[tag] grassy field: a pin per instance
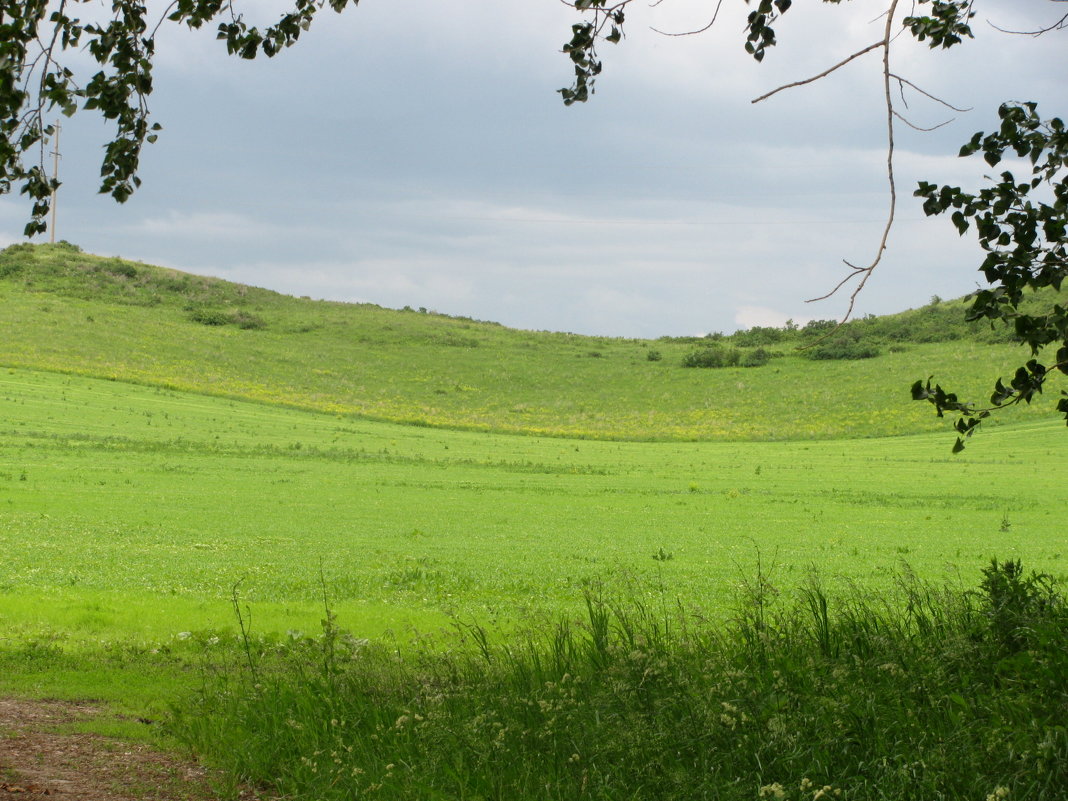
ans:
(763, 594)
(66, 311)
(132, 511)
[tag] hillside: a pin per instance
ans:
(67, 311)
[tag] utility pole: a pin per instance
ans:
(55, 178)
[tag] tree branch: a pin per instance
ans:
(905, 82)
(711, 22)
(864, 273)
(825, 73)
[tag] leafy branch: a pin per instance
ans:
(34, 82)
(1021, 225)
(582, 49)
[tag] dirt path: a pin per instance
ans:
(39, 759)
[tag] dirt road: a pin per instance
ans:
(41, 758)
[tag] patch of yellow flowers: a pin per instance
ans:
(807, 788)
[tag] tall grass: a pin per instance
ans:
(925, 692)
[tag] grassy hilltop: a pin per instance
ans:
(64, 310)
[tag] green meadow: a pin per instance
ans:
(134, 511)
(425, 545)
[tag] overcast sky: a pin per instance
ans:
(415, 152)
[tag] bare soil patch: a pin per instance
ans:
(38, 759)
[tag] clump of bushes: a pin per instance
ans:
(219, 317)
(248, 322)
(757, 357)
(712, 356)
(843, 348)
(119, 268)
(845, 342)
(763, 335)
(715, 356)
(211, 316)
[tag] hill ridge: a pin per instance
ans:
(69, 311)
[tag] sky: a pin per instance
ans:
(416, 153)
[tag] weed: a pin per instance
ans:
(1020, 609)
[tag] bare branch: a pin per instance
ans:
(825, 73)
(863, 274)
(919, 128)
(906, 82)
(1059, 25)
(711, 22)
(163, 18)
(840, 284)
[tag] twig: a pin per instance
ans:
(711, 22)
(920, 128)
(1060, 24)
(910, 84)
(825, 73)
(163, 18)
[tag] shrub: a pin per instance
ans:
(760, 335)
(211, 316)
(843, 348)
(177, 284)
(122, 268)
(712, 356)
(1019, 608)
(215, 316)
(653, 356)
(248, 322)
(756, 358)
(9, 267)
(817, 327)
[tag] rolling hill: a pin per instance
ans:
(67, 311)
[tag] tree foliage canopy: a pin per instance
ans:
(1020, 222)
